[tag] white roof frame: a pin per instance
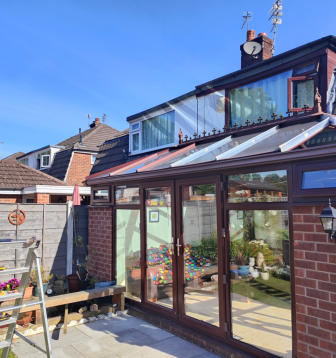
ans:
(201, 152)
(304, 136)
(249, 143)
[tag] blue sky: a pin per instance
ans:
(61, 60)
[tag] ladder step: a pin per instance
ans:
(11, 296)
(8, 321)
(14, 271)
(4, 344)
(11, 308)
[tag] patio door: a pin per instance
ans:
(198, 258)
(160, 267)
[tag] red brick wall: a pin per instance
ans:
(42, 198)
(80, 168)
(10, 199)
(100, 242)
(315, 285)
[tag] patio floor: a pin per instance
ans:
(122, 336)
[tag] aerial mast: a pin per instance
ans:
(246, 18)
(275, 18)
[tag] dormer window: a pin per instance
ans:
(45, 161)
(153, 133)
(300, 93)
(259, 99)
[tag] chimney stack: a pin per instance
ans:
(251, 52)
(95, 123)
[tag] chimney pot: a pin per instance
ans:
(262, 34)
(97, 120)
(250, 35)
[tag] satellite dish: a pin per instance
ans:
(252, 47)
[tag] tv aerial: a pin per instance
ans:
(104, 117)
(246, 18)
(275, 18)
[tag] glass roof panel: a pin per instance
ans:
(210, 151)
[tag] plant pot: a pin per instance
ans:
(37, 290)
(59, 287)
(264, 275)
(74, 283)
(25, 319)
(28, 292)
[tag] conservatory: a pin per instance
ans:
(220, 236)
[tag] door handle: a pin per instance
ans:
(178, 245)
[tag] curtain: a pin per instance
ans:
(261, 98)
(158, 131)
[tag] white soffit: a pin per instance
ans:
(249, 143)
(201, 152)
(304, 136)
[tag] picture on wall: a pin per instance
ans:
(154, 216)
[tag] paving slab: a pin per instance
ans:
(118, 337)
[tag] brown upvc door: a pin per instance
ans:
(199, 254)
(160, 274)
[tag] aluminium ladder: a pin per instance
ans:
(32, 256)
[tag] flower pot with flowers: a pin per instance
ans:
(5, 289)
(9, 286)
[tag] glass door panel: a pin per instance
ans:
(200, 258)
(260, 279)
(159, 246)
(128, 252)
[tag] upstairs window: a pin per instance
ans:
(300, 93)
(45, 161)
(153, 133)
(158, 131)
(259, 99)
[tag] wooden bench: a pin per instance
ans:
(117, 293)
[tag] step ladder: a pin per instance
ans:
(30, 246)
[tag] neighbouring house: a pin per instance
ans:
(22, 184)
(72, 159)
(214, 229)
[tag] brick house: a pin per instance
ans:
(216, 232)
(22, 184)
(72, 159)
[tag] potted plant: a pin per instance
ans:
(28, 291)
(264, 273)
(9, 286)
(46, 277)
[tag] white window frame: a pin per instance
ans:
(139, 130)
(41, 161)
(93, 158)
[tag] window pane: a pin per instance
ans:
(135, 126)
(128, 252)
(135, 142)
(45, 160)
(303, 93)
(127, 195)
(101, 194)
(258, 187)
(159, 246)
(260, 279)
(261, 98)
(200, 253)
(158, 131)
(319, 179)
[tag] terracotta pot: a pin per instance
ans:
(28, 292)
(73, 283)
(26, 319)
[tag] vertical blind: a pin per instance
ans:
(261, 98)
(158, 131)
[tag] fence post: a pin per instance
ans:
(69, 254)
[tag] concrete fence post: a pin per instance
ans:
(69, 254)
